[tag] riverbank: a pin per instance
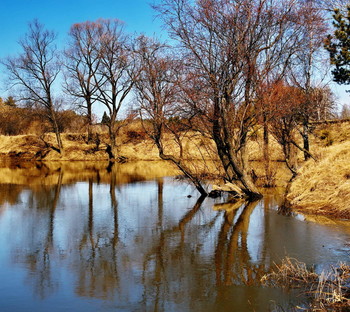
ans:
(321, 188)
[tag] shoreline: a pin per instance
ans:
(312, 193)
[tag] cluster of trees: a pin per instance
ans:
(234, 66)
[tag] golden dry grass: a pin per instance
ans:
(323, 187)
(75, 147)
(329, 134)
(133, 143)
(328, 291)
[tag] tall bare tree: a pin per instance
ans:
(225, 44)
(114, 77)
(35, 70)
(82, 63)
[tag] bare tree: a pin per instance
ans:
(35, 70)
(82, 63)
(324, 100)
(114, 77)
(225, 44)
(330, 5)
(157, 92)
(309, 67)
(345, 112)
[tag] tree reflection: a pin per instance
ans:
(98, 274)
(150, 254)
(9, 193)
(232, 259)
(167, 261)
(40, 244)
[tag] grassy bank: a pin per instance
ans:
(322, 187)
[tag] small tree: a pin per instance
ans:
(105, 119)
(283, 102)
(345, 112)
(35, 70)
(157, 91)
(10, 101)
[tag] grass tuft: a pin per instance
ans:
(328, 291)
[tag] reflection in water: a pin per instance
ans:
(232, 258)
(39, 247)
(97, 259)
(109, 242)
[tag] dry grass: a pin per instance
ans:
(329, 134)
(133, 144)
(323, 187)
(290, 273)
(328, 291)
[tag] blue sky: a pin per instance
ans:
(59, 15)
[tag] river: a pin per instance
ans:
(88, 237)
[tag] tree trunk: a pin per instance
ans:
(290, 157)
(56, 130)
(233, 169)
(59, 140)
(306, 140)
(111, 148)
(89, 125)
(269, 175)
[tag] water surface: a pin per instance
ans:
(128, 238)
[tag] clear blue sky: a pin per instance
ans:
(59, 15)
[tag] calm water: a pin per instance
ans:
(91, 238)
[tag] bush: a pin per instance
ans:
(135, 136)
(326, 137)
(14, 121)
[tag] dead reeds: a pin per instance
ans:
(328, 291)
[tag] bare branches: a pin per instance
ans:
(82, 62)
(34, 71)
(230, 48)
(114, 76)
(158, 94)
